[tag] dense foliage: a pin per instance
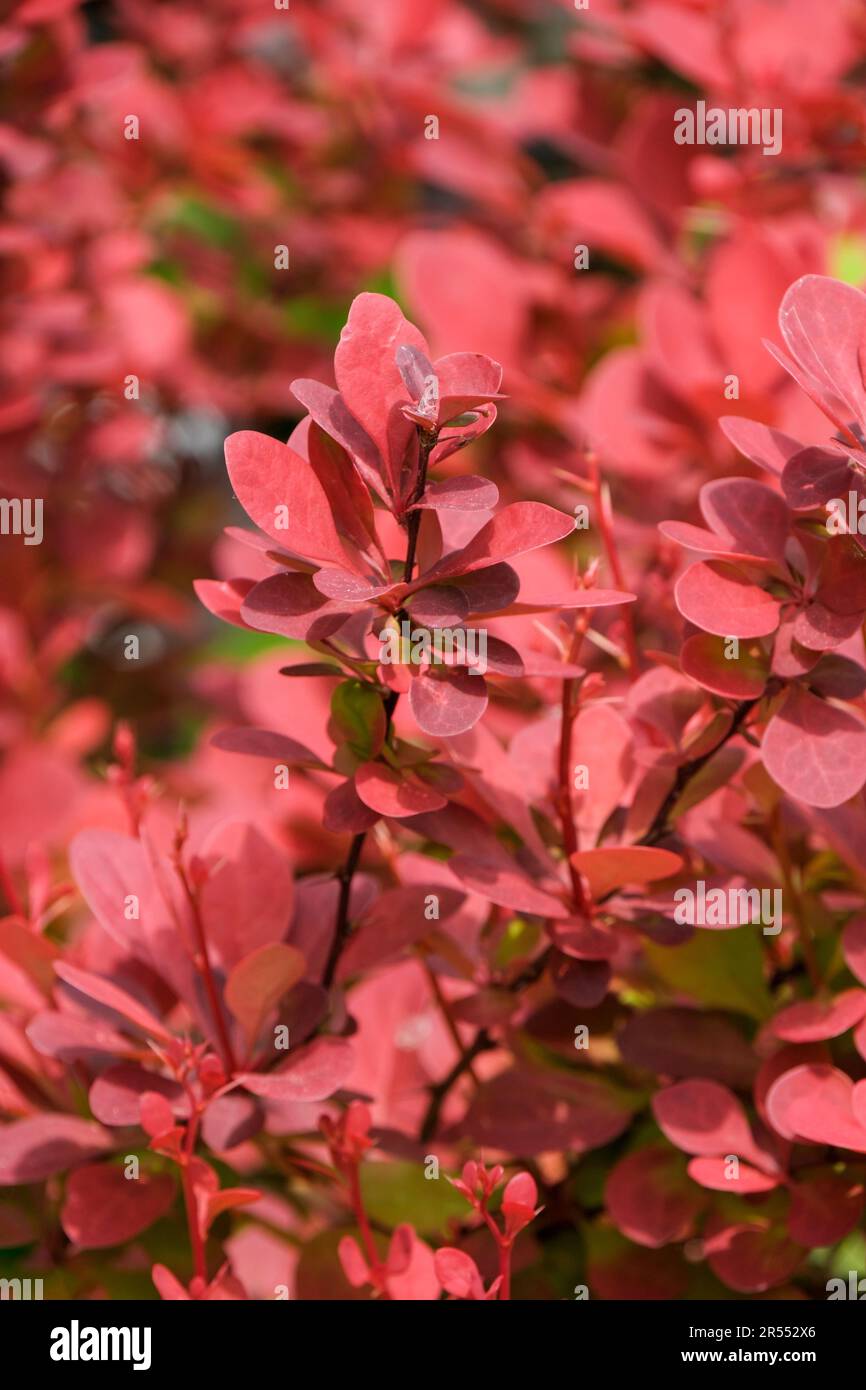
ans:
(431, 851)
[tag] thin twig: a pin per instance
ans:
(482, 1042)
(605, 524)
(342, 924)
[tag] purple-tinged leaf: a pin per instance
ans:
(264, 743)
(291, 606)
(115, 1096)
(466, 493)
(42, 1145)
(391, 793)
(718, 598)
(447, 705)
(316, 1071)
(767, 448)
(814, 751)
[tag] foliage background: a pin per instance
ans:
(305, 127)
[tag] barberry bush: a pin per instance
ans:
(432, 842)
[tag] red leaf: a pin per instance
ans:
(465, 493)
(823, 322)
(102, 1207)
(290, 605)
(686, 1043)
(742, 677)
(259, 981)
(330, 412)
(582, 983)
(115, 1096)
(650, 1198)
(224, 597)
(458, 1274)
(344, 811)
(766, 447)
(213, 1204)
(615, 865)
(417, 1282)
(748, 513)
(528, 1112)
(262, 743)
(314, 1073)
(824, 1209)
(447, 705)
(42, 1145)
(275, 485)
(112, 997)
(704, 1118)
(519, 527)
(355, 1267)
(715, 1173)
(391, 794)
(157, 1116)
(248, 894)
(231, 1119)
(814, 751)
(368, 378)
(814, 1102)
(751, 1259)
(503, 883)
(347, 588)
(813, 1020)
(396, 920)
(71, 1038)
(813, 476)
(716, 597)
(819, 628)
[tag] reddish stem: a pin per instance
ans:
(570, 707)
(503, 1245)
(10, 892)
(203, 965)
(378, 1273)
(195, 1236)
(608, 541)
(505, 1269)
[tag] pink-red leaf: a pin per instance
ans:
(42, 1145)
(103, 1207)
(815, 751)
(718, 598)
(259, 981)
(612, 866)
(314, 1073)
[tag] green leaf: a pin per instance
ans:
(358, 716)
(239, 645)
(722, 969)
(397, 1192)
(309, 317)
(849, 1254)
(518, 940)
(848, 259)
(203, 220)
